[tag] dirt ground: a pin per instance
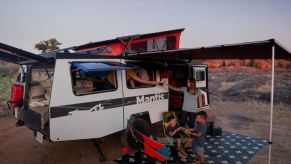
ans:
(18, 145)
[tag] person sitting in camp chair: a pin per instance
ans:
(174, 131)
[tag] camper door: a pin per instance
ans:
(139, 97)
(200, 73)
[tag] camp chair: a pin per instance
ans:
(166, 124)
(152, 148)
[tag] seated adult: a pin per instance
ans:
(173, 131)
(110, 80)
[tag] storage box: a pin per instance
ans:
(217, 131)
(210, 124)
(209, 130)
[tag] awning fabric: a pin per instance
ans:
(249, 50)
(101, 66)
(18, 56)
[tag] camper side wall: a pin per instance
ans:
(85, 105)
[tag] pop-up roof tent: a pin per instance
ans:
(164, 40)
(268, 49)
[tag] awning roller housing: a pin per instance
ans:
(101, 66)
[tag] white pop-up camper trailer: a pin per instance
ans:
(80, 102)
(87, 94)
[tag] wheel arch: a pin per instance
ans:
(143, 115)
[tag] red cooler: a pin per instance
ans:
(16, 95)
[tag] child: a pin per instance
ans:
(173, 131)
(199, 136)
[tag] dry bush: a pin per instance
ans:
(265, 88)
(226, 85)
(8, 68)
(5, 85)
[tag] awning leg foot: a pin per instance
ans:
(97, 142)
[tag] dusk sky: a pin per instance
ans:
(26, 22)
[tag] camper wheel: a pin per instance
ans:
(135, 142)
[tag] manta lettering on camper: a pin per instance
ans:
(151, 98)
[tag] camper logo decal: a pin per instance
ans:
(97, 107)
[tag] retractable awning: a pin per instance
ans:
(101, 66)
(248, 50)
(268, 49)
(18, 56)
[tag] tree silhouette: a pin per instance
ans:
(48, 45)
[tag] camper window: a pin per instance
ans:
(92, 82)
(139, 47)
(200, 75)
(142, 73)
(171, 43)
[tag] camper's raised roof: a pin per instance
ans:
(117, 40)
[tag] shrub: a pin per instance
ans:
(5, 86)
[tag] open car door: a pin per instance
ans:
(18, 56)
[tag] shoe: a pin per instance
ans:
(184, 152)
(181, 154)
(19, 123)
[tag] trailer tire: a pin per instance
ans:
(128, 140)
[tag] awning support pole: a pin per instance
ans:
(272, 104)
